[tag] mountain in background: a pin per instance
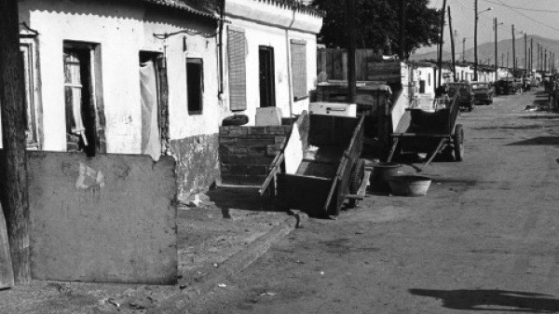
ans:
(486, 51)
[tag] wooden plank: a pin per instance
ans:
(360, 195)
(434, 153)
(14, 164)
(6, 271)
(429, 135)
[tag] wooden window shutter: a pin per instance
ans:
(236, 44)
(299, 68)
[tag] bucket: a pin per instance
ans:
(409, 185)
(382, 171)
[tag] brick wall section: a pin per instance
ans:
(245, 153)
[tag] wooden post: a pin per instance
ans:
(441, 40)
(475, 40)
(351, 75)
(495, 26)
(402, 50)
(451, 45)
(13, 190)
(513, 53)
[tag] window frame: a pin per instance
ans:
(29, 53)
(200, 107)
(95, 90)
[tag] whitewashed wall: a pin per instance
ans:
(274, 25)
(122, 29)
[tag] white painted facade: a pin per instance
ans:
(464, 73)
(273, 24)
(425, 75)
(121, 30)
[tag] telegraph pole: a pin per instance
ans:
(15, 200)
(351, 75)
(513, 52)
(440, 63)
(452, 45)
(545, 60)
(495, 26)
(475, 42)
(525, 52)
(464, 50)
(531, 55)
(402, 29)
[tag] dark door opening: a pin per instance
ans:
(267, 83)
(81, 135)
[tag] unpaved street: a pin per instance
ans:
(485, 239)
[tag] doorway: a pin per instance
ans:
(153, 93)
(267, 82)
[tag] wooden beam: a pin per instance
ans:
(13, 190)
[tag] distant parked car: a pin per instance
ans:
(507, 87)
(465, 94)
(483, 93)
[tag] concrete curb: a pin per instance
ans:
(232, 266)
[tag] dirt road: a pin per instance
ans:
(485, 239)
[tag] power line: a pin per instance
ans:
(526, 16)
(524, 9)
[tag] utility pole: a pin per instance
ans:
(531, 55)
(351, 75)
(538, 63)
(441, 39)
(452, 45)
(14, 188)
(475, 41)
(507, 59)
(513, 52)
(495, 26)
(545, 60)
(402, 44)
(464, 50)
(525, 52)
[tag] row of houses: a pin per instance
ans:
(425, 75)
(158, 77)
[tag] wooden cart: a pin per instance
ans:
(319, 167)
(430, 132)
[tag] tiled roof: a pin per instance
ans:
(210, 8)
(207, 8)
(300, 5)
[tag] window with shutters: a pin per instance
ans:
(195, 84)
(236, 44)
(299, 68)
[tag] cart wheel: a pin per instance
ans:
(355, 180)
(458, 139)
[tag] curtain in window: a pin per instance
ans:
(151, 139)
(73, 86)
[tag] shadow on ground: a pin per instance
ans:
(492, 300)
(538, 141)
(249, 199)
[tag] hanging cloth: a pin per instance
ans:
(151, 138)
(73, 85)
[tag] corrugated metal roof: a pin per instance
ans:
(207, 8)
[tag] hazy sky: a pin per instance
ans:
(535, 17)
